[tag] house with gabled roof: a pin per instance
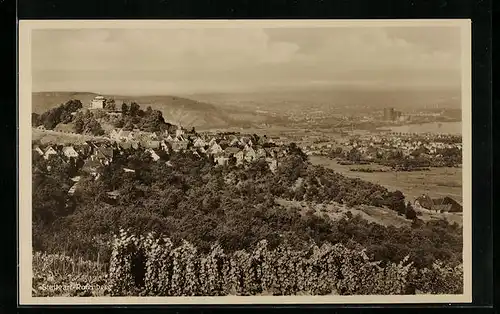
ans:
(446, 204)
(250, 154)
(260, 153)
(272, 163)
(199, 142)
(244, 140)
(38, 150)
(179, 131)
(240, 157)
(150, 144)
(153, 154)
(212, 141)
(202, 150)
(179, 138)
(49, 151)
(179, 145)
(164, 145)
(215, 149)
(103, 154)
(69, 152)
(114, 135)
(234, 142)
(125, 145)
(221, 159)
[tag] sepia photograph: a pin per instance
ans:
(272, 161)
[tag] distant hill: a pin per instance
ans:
(176, 110)
(43, 101)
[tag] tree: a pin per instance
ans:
(66, 117)
(354, 155)
(128, 126)
(35, 119)
(410, 212)
(110, 105)
(87, 124)
(51, 118)
(153, 122)
(134, 109)
(79, 122)
(73, 105)
(48, 200)
(124, 109)
(93, 127)
(118, 123)
(293, 149)
(396, 201)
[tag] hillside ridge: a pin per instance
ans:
(176, 110)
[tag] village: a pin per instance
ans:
(236, 148)
(222, 148)
(376, 146)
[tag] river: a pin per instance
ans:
(433, 127)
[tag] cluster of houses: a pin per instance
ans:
(372, 147)
(222, 148)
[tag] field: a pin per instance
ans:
(437, 182)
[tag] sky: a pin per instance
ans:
(196, 60)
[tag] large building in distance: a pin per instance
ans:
(388, 114)
(392, 115)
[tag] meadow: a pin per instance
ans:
(436, 182)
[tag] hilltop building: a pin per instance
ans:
(97, 102)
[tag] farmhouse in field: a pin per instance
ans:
(444, 204)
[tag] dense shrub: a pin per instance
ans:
(328, 269)
(61, 114)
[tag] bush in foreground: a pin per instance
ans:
(153, 266)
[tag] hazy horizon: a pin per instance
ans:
(243, 60)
